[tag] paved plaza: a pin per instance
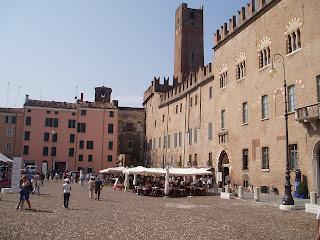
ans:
(125, 215)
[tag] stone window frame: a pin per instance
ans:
(264, 53)
(265, 156)
(223, 76)
(293, 36)
(245, 113)
(293, 166)
(241, 66)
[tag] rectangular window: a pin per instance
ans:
(109, 158)
(264, 107)
(175, 140)
(46, 137)
(293, 156)
(72, 138)
(83, 112)
(177, 108)
(10, 132)
(190, 160)
(45, 151)
(54, 137)
(81, 144)
(210, 92)
(28, 120)
(53, 151)
(56, 112)
(72, 123)
(110, 145)
(89, 144)
(180, 139)
(48, 112)
(27, 135)
(7, 119)
(169, 141)
(190, 136)
(154, 143)
(55, 122)
(48, 122)
(90, 158)
(291, 98)
(245, 113)
(180, 107)
(265, 158)
(71, 152)
(8, 146)
(195, 162)
(164, 141)
(209, 131)
(73, 114)
(190, 102)
(13, 119)
(80, 158)
(111, 114)
(196, 100)
(245, 160)
(195, 135)
(110, 128)
(159, 142)
(82, 127)
(223, 119)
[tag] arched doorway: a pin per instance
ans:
(223, 169)
(316, 167)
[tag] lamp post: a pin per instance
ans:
(287, 202)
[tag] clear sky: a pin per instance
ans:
(47, 48)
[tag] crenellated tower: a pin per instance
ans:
(188, 51)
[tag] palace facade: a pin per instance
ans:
(230, 114)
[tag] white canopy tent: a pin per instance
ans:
(189, 171)
(5, 159)
(113, 170)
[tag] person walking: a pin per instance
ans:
(98, 184)
(91, 186)
(66, 192)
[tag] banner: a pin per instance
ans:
(16, 174)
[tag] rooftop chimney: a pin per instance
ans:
(27, 98)
(81, 97)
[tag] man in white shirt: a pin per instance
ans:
(66, 193)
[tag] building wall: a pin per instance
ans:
(267, 26)
(96, 121)
(131, 130)
(11, 133)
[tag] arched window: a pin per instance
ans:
(264, 52)
(293, 34)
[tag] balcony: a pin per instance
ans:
(309, 116)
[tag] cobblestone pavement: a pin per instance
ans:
(124, 215)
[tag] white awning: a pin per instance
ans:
(189, 171)
(5, 159)
(113, 170)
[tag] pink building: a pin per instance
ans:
(71, 136)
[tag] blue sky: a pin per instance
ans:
(47, 48)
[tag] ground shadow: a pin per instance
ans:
(38, 210)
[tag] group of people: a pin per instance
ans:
(29, 184)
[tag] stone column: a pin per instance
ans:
(313, 198)
(256, 194)
(240, 192)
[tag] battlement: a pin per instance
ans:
(190, 81)
(253, 9)
(156, 86)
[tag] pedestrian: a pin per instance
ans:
(24, 192)
(66, 192)
(98, 185)
(36, 181)
(91, 186)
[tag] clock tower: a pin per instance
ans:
(188, 49)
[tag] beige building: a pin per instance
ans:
(229, 114)
(11, 131)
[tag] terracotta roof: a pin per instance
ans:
(11, 110)
(65, 105)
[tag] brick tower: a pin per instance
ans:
(102, 94)
(188, 51)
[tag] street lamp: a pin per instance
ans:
(287, 202)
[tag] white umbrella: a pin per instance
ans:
(189, 171)
(113, 170)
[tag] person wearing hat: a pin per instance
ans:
(66, 192)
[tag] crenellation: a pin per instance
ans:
(245, 13)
